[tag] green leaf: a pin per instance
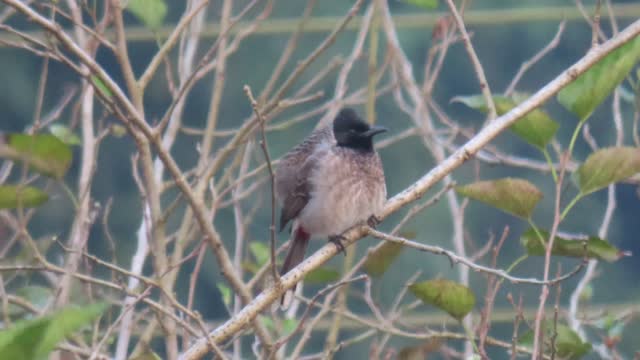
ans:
(267, 322)
(16, 196)
(44, 153)
(425, 4)
(322, 275)
(288, 326)
(456, 299)
(225, 291)
(260, 252)
(250, 267)
(513, 196)
(568, 344)
(590, 89)
(536, 128)
(97, 82)
(65, 134)
(587, 293)
(607, 166)
(592, 247)
(117, 130)
(36, 338)
(150, 12)
(381, 258)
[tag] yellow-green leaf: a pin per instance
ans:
(44, 153)
(568, 344)
(591, 247)
(456, 299)
(260, 252)
(425, 4)
(65, 134)
(117, 130)
(288, 326)
(514, 196)
(590, 89)
(607, 166)
(150, 12)
(97, 82)
(381, 258)
(250, 267)
(322, 275)
(536, 128)
(225, 291)
(16, 196)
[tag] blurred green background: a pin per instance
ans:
(502, 45)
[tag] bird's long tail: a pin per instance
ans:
(297, 249)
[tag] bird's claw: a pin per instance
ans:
(373, 221)
(337, 241)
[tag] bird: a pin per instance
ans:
(328, 183)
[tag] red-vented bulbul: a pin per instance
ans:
(330, 182)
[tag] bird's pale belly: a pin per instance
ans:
(351, 203)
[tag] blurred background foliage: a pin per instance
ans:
(502, 45)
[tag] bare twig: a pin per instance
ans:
(457, 259)
(535, 59)
(477, 67)
(267, 158)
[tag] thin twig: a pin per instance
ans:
(477, 67)
(267, 157)
(457, 259)
(535, 59)
(315, 298)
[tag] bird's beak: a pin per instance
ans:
(375, 130)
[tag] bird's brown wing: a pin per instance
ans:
(292, 185)
(299, 195)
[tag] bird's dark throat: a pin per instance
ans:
(362, 144)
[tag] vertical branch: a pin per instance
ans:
(240, 235)
(421, 117)
(82, 221)
(122, 54)
(153, 206)
(477, 66)
(267, 158)
(596, 24)
(218, 85)
(574, 300)
(544, 292)
(187, 50)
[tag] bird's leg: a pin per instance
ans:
(337, 241)
(373, 221)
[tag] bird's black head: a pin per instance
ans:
(350, 131)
